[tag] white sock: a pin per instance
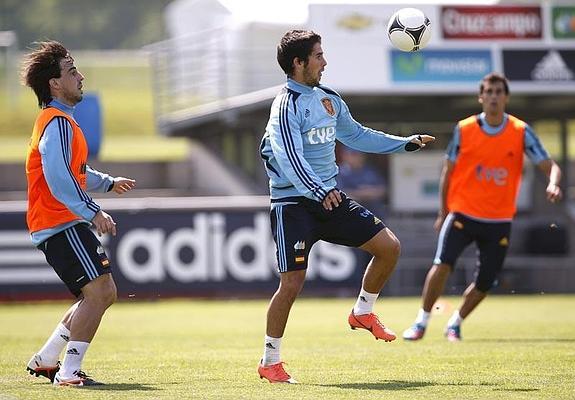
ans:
(455, 319)
(75, 352)
(271, 350)
(54, 345)
(365, 302)
(422, 317)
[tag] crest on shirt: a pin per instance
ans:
(328, 106)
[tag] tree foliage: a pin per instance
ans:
(86, 24)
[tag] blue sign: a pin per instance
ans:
(88, 114)
(441, 65)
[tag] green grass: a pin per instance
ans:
(515, 347)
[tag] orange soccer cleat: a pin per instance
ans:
(37, 367)
(372, 324)
(275, 373)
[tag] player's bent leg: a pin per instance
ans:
(385, 248)
(291, 284)
(98, 295)
(432, 289)
(271, 366)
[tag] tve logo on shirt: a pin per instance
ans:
(441, 65)
(321, 135)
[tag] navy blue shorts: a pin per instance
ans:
(77, 256)
(298, 222)
(491, 238)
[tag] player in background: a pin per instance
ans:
(298, 150)
(478, 188)
(60, 212)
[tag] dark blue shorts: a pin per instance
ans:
(492, 240)
(77, 256)
(298, 222)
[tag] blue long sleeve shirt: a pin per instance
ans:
(55, 152)
(298, 147)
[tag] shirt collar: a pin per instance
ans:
(498, 127)
(62, 107)
(298, 87)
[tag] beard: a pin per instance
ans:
(310, 79)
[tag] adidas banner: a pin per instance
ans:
(166, 253)
(545, 66)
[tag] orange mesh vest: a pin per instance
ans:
(44, 211)
(485, 180)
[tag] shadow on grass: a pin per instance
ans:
(120, 387)
(522, 340)
(411, 385)
(385, 385)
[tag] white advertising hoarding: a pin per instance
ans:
(415, 182)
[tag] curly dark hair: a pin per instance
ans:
(41, 65)
(295, 44)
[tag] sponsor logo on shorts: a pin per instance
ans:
(376, 220)
(504, 242)
(105, 262)
(458, 224)
(299, 259)
(100, 250)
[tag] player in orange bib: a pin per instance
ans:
(479, 185)
(60, 212)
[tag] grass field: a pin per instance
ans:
(515, 347)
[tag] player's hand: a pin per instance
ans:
(332, 199)
(104, 223)
(123, 185)
(422, 140)
(554, 193)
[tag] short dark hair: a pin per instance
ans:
(494, 77)
(295, 44)
(41, 65)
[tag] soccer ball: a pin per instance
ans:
(409, 29)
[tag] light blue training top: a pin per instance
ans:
(298, 147)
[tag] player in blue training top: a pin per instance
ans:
(298, 149)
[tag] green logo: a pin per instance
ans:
(563, 22)
(409, 64)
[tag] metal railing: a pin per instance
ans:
(209, 66)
